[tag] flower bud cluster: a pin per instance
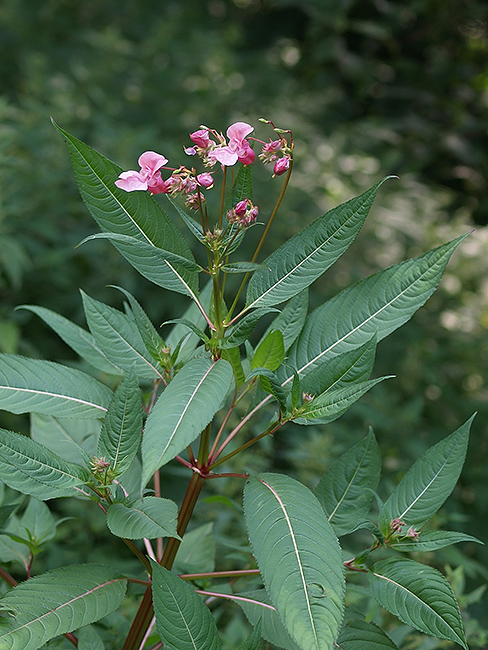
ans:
(243, 214)
(396, 529)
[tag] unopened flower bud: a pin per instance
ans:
(200, 138)
(281, 166)
(205, 180)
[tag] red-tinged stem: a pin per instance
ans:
(145, 613)
(221, 574)
(269, 431)
(10, 580)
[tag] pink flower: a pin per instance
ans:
(237, 149)
(147, 178)
(201, 138)
(244, 214)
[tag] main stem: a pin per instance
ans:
(145, 613)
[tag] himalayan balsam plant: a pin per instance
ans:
(197, 397)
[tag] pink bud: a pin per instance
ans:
(241, 208)
(205, 180)
(281, 166)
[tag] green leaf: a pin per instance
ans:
(183, 410)
(291, 319)
(196, 553)
(430, 480)
(345, 489)
(342, 370)
(81, 341)
(332, 404)
(233, 356)
(89, 639)
(241, 267)
(65, 436)
(360, 635)
(166, 269)
(299, 558)
(270, 352)
(193, 226)
(182, 619)
(253, 641)
(57, 602)
(10, 550)
(240, 332)
(148, 332)
(120, 436)
(431, 540)
(38, 522)
(179, 333)
(271, 385)
(135, 214)
(306, 256)
(118, 336)
(257, 607)
(376, 305)
(34, 385)
(32, 469)
(152, 517)
(419, 596)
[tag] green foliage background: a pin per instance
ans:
(369, 89)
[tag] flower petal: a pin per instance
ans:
(130, 181)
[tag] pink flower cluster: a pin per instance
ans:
(244, 214)
(212, 147)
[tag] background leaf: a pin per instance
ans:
(360, 635)
(63, 436)
(183, 621)
(430, 480)
(185, 407)
(35, 385)
(57, 602)
(345, 489)
(152, 517)
(196, 553)
(420, 596)
(298, 556)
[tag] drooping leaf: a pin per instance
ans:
(233, 356)
(35, 385)
(360, 635)
(271, 385)
(241, 267)
(81, 341)
(291, 319)
(345, 489)
(257, 607)
(120, 436)
(166, 269)
(118, 336)
(306, 256)
(57, 602)
(64, 436)
(376, 305)
(152, 517)
(182, 619)
(135, 214)
(430, 480)
(30, 468)
(183, 410)
(332, 404)
(196, 553)
(270, 352)
(419, 596)
(298, 556)
(432, 540)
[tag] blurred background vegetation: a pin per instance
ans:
(369, 89)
